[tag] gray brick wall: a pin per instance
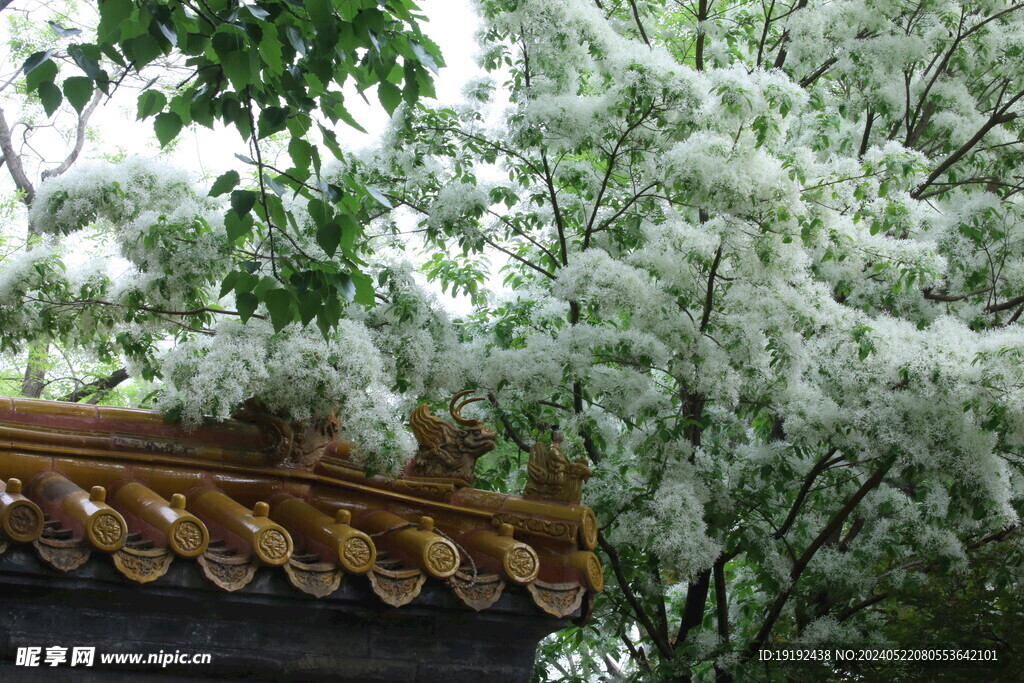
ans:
(266, 631)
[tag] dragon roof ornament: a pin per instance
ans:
(552, 476)
(446, 451)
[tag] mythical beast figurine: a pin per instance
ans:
(446, 451)
(552, 476)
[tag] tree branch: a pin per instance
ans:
(553, 195)
(509, 429)
(925, 568)
(709, 298)
(820, 466)
(809, 80)
(83, 120)
(702, 16)
(693, 609)
(97, 387)
(638, 609)
(780, 58)
(928, 294)
(14, 165)
(1006, 305)
(863, 604)
(721, 602)
(865, 139)
(639, 24)
(798, 567)
(998, 117)
(147, 309)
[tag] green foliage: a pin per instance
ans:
(265, 68)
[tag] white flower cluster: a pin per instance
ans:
(295, 373)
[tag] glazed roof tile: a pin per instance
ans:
(80, 481)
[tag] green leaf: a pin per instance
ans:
(315, 154)
(113, 55)
(296, 39)
(331, 140)
(276, 208)
(272, 119)
(310, 303)
(389, 95)
(50, 96)
(342, 113)
(320, 11)
(168, 32)
(167, 126)
(181, 104)
(270, 49)
(86, 59)
(325, 38)
(246, 304)
(247, 281)
(276, 185)
(349, 229)
(113, 14)
(329, 190)
(195, 44)
(379, 196)
(78, 90)
(141, 50)
(257, 12)
(224, 183)
(345, 286)
(329, 315)
(236, 225)
(61, 31)
(411, 91)
(242, 201)
(425, 58)
(328, 236)
(230, 45)
(39, 70)
(364, 289)
(236, 67)
(202, 111)
(150, 102)
(279, 303)
(320, 212)
(227, 39)
(299, 151)
(266, 284)
(313, 84)
(228, 284)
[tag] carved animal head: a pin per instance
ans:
(476, 437)
(579, 469)
(473, 439)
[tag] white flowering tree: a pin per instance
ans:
(763, 264)
(42, 137)
(764, 267)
